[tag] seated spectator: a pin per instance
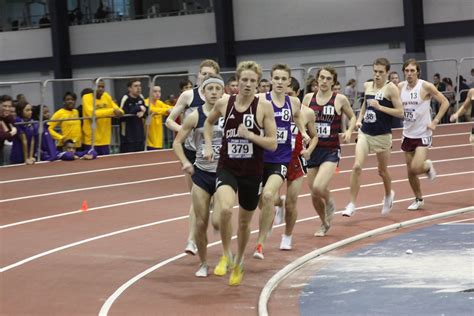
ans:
(7, 129)
(105, 109)
(24, 141)
(158, 109)
(132, 131)
(232, 86)
(67, 129)
(48, 146)
(171, 101)
(69, 152)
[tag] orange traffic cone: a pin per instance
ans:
(84, 206)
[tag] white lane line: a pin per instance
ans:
(171, 196)
(94, 209)
(459, 221)
(89, 171)
(111, 299)
(91, 188)
(152, 164)
(43, 254)
(178, 176)
(166, 221)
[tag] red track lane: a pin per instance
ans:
(78, 280)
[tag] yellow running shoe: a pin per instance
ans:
(236, 275)
(222, 266)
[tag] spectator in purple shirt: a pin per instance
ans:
(24, 141)
(48, 145)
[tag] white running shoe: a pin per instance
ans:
(280, 212)
(323, 229)
(202, 272)
(416, 205)
(388, 203)
(431, 173)
(349, 210)
(191, 248)
(285, 242)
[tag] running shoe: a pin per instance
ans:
(431, 173)
(418, 203)
(202, 272)
(191, 248)
(349, 210)
(323, 229)
(388, 203)
(258, 254)
(236, 275)
(223, 265)
(280, 211)
(285, 243)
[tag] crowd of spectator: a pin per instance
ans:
(68, 133)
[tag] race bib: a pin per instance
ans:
(379, 96)
(294, 133)
(410, 115)
(216, 148)
(370, 116)
(220, 123)
(324, 130)
(328, 110)
(239, 149)
(426, 141)
(248, 121)
(285, 115)
(282, 135)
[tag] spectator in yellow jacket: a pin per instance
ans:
(105, 109)
(67, 129)
(157, 109)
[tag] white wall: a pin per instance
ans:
(143, 34)
(450, 48)
(116, 36)
(280, 18)
(25, 44)
(436, 11)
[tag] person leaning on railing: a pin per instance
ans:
(70, 129)
(157, 109)
(105, 109)
(48, 151)
(24, 141)
(7, 129)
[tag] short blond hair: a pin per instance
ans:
(210, 63)
(249, 65)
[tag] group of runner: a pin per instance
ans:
(247, 145)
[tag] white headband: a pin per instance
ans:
(212, 80)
